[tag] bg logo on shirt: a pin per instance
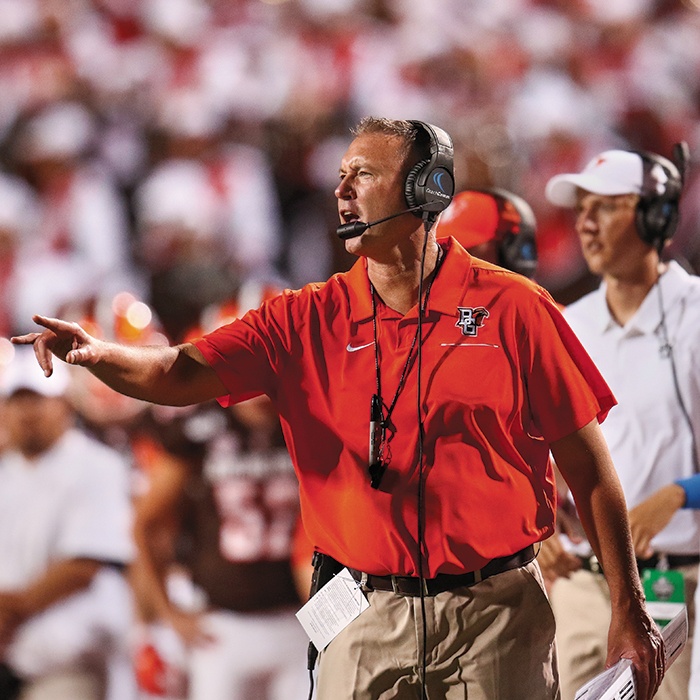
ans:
(471, 319)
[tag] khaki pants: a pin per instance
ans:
(581, 607)
(491, 641)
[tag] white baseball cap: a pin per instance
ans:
(23, 372)
(609, 173)
(60, 130)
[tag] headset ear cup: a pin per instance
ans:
(657, 212)
(516, 232)
(518, 252)
(506, 253)
(410, 193)
(656, 220)
(647, 225)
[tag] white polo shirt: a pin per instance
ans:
(647, 433)
(73, 501)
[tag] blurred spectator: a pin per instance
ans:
(207, 216)
(222, 486)
(18, 217)
(215, 528)
(80, 241)
(65, 607)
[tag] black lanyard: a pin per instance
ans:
(379, 419)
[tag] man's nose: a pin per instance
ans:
(344, 189)
(586, 221)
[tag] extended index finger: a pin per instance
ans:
(56, 325)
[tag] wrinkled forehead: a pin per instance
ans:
(379, 150)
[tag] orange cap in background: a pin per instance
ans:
(472, 218)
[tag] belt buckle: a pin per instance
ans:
(397, 591)
(395, 586)
(594, 564)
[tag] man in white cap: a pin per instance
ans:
(642, 329)
(65, 608)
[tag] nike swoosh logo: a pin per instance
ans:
(355, 348)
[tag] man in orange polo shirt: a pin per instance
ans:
(461, 377)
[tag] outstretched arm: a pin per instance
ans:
(175, 376)
(585, 463)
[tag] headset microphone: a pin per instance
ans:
(357, 228)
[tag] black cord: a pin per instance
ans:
(422, 547)
(311, 683)
(417, 341)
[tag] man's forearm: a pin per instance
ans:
(140, 372)
(604, 518)
(584, 461)
(173, 376)
(61, 579)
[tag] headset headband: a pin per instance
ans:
(430, 183)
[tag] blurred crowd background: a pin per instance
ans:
(160, 158)
(177, 148)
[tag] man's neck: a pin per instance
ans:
(397, 282)
(624, 295)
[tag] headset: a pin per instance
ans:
(662, 183)
(515, 235)
(430, 184)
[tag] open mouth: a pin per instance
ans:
(592, 248)
(348, 216)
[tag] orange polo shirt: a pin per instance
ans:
(502, 376)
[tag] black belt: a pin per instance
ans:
(411, 586)
(675, 561)
(591, 564)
